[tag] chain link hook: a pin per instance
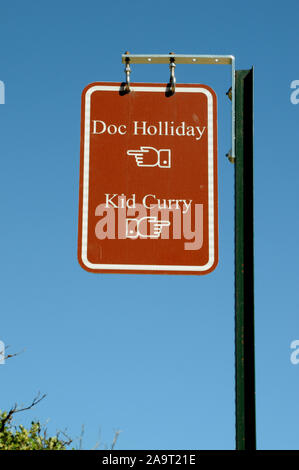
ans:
(127, 86)
(172, 80)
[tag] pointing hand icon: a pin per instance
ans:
(149, 156)
(140, 227)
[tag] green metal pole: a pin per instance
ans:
(244, 273)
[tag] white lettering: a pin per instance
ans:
(161, 127)
(99, 127)
(180, 128)
(124, 131)
(136, 128)
(112, 129)
(144, 200)
(95, 131)
(153, 131)
(190, 131)
(109, 200)
(186, 205)
(199, 132)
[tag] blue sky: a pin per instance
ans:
(162, 371)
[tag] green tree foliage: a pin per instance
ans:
(14, 437)
(34, 438)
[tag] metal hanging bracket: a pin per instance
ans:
(127, 71)
(175, 59)
(172, 80)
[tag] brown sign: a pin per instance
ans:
(148, 180)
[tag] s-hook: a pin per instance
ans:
(172, 80)
(127, 71)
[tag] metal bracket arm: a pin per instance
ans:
(191, 59)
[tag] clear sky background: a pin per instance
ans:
(152, 356)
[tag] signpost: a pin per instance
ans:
(244, 272)
(148, 192)
(148, 182)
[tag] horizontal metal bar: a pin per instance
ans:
(190, 59)
(179, 59)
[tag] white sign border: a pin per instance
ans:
(210, 130)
